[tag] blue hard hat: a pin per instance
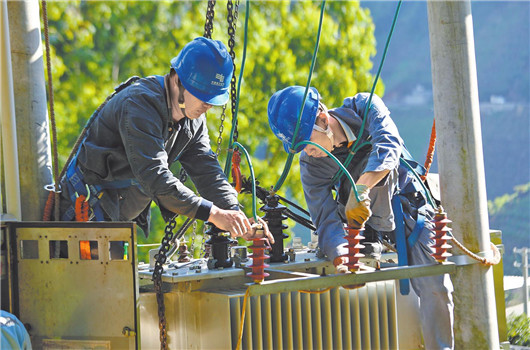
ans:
(284, 107)
(205, 69)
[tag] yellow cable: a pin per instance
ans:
(315, 291)
(242, 323)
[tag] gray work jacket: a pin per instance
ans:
(134, 137)
(381, 152)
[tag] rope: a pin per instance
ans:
(430, 152)
(242, 321)
(483, 260)
(57, 196)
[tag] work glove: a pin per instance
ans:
(358, 212)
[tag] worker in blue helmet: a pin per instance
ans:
(146, 125)
(381, 181)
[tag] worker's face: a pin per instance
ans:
(319, 138)
(194, 107)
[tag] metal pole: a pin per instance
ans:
(461, 165)
(30, 106)
(525, 280)
(524, 266)
(8, 124)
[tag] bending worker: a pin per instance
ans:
(141, 130)
(379, 178)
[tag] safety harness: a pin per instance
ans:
(77, 187)
(402, 242)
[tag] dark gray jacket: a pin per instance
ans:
(134, 137)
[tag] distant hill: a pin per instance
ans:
(502, 47)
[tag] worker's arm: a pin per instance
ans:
(383, 134)
(384, 156)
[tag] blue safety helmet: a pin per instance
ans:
(205, 69)
(284, 107)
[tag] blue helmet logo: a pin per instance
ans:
(283, 109)
(205, 69)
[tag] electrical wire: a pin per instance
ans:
(252, 178)
(313, 60)
(368, 105)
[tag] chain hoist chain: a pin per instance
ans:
(210, 14)
(221, 128)
(233, 12)
(161, 257)
(193, 236)
(183, 176)
(203, 243)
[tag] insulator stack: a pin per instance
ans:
(220, 249)
(184, 254)
(258, 256)
(441, 238)
(354, 238)
(274, 217)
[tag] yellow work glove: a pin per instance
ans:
(357, 213)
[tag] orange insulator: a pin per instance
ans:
(354, 238)
(441, 238)
(258, 256)
(236, 170)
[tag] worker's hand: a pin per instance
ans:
(357, 213)
(233, 221)
(259, 230)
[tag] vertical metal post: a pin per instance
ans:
(461, 165)
(524, 265)
(30, 106)
(8, 123)
(525, 280)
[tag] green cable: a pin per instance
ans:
(234, 119)
(342, 167)
(289, 160)
(429, 197)
(253, 179)
(368, 105)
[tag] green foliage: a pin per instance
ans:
(510, 214)
(519, 330)
(96, 45)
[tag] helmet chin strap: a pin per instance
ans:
(326, 131)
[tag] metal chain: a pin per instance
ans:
(233, 12)
(203, 242)
(183, 175)
(221, 128)
(210, 14)
(161, 258)
(193, 236)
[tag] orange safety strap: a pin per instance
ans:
(430, 151)
(81, 208)
(236, 170)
